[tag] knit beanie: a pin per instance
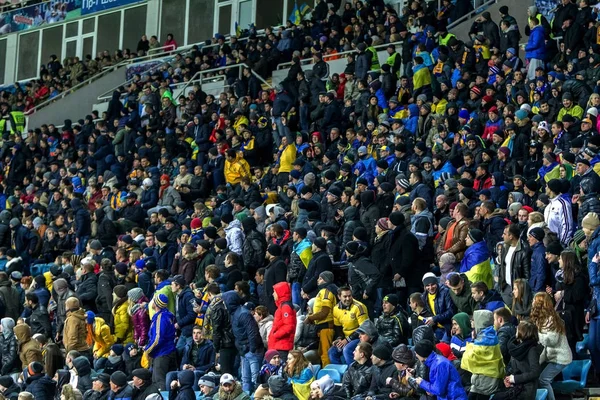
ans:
(135, 294)
(590, 221)
(382, 223)
(161, 300)
(424, 348)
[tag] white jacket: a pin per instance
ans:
(559, 217)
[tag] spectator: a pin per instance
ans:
(514, 262)
(438, 302)
(524, 368)
(161, 341)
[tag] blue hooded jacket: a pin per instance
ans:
(536, 45)
(411, 123)
(444, 380)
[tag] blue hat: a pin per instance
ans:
(140, 264)
(464, 114)
(511, 50)
(118, 349)
(90, 317)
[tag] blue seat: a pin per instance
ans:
(316, 369)
(341, 368)
(541, 394)
(39, 269)
(333, 374)
(574, 377)
(581, 347)
(165, 395)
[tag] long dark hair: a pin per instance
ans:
(570, 266)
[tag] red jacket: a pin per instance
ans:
(284, 323)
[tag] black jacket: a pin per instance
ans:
(253, 250)
(106, 232)
(357, 379)
(146, 390)
(9, 348)
(320, 262)
(12, 303)
(391, 328)
(87, 291)
(525, 366)
(106, 283)
(380, 375)
(520, 264)
(220, 324)
(379, 257)
(363, 276)
(39, 321)
(275, 272)
(403, 253)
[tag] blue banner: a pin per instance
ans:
(39, 15)
(93, 6)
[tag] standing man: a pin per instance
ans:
(83, 225)
(275, 272)
(514, 262)
(185, 315)
(558, 214)
(539, 264)
(322, 315)
(161, 341)
(535, 49)
(403, 254)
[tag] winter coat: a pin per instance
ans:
(444, 307)
(185, 311)
(122, 323)
(75, 331)
(536, 45)
(275, 272)
(217, 323)
(444, 379)
(357, 379)
(459, 245)
(84, 370)
(379, 378)
(29, 349)
(519, 264)
(369, 214)
(161, 339)
(493, 228)
(391, 329)
(41, 386)
(525, 366)
(363, 276)
(254, 250)
(106, 283)
(166, 255)
(11, 298)
(140, 322)
(284, 320)
(539, 266)
(170, 197)
(320, 262)
(87, 291)
(403, 254)
(235, 237)
(205, 356)
(244, 327)
(589, 203)
(185, 265)
(9, 349)
(123, 394)
(103, 338)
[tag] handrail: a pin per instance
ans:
(476, 10)
(309, 60)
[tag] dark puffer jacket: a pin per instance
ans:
(391, 328)
(255, 246)
(244, 327)
(589, 203)
(357, 379)
(9, 348)
(41, 387)
(217, 322)
(369, 213)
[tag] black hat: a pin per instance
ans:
(402, 354)
(314, 216)
(321, 243)
(335, 191)
(584, 161)
(227, 218)
(392, 299)
(143, 374)
(476, 235)
(532, 185)
(465, 182)
(162, 236)
(221, 243)
(555, 186)
(397, 218)
(554, 248)
(301, 232)
(6, 381)
(179, 280)
(104, 378)
(274, 250)
(211, 232)
(383, 351)
(330, 174)
(537, 233)
(352, 247)
(119, 378)
(468, 192)
(424, 348)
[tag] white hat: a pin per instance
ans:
(429, 278)
(227, 378)
(593, 111)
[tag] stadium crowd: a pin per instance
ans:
(424, 227)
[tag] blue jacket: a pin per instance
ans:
(412, 122)
(539, 265)
(125, 394)
(491, 302)
(166, 256)
(444, 380)
(447, 167)
(205, 356)
(536, 45)
(423, 191)
(444, 307)
(185, 311)
(593, 249)
(149, 198)
(161, 338)
(243, 324)
(83, 223)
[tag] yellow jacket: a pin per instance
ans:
(241, 120)
(350, 318)
(325, 298)
(48, 275)
(287, 157)
(123, 325)
(237, 169)
(103, 339)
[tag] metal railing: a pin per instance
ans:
(306, 61)
(166, 59)
(476, 10)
